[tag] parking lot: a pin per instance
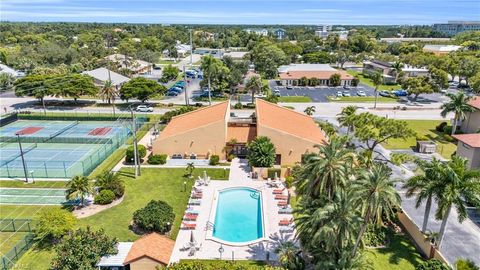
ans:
(320, 94)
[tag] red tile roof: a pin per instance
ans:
(322, 75)
(471, 139)
(154, 246)
(475, 102)
(241, 134)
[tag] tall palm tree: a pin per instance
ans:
(210, 67)
(397, 66)
(78, 186)
(376, 194)
(254, 85)
(377, 80)
(326, 171)
(459, 183)
(425, 187)
(458, 104)
(347, 118)
(309, 110)
(109, 92)
(289, 256)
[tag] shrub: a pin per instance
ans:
(214, 160)
(464, 264)
(230, 157)
(447, 130)
(111, 181)
(168, 115)
(432, 264)
(156, 216)
(422, 137)
(157, 159)
(375, 236)
(289, 181)
(238, 106)
(441, 126)
(129, 157)
(448, 138)
(53, 223)
(104, 197)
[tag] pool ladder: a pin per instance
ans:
(210, 226)
(255, 195)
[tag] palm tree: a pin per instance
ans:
(289, 256)
(109, 92)
(347, 118)
(326, 171)
(309, 110)
(111, 181)
(254, 85)
(190, 168)
(458, 104)
(425, 186)
(377, 80)
(377, 195)
(210, 67)
(78, 186)
(397, 66)
(458, 183)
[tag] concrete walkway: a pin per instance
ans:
(239, 171)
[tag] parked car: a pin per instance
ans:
(276, 92)
(289, 87)
(176, 89)
(400, 93)
(339, 94)
(361, 93)
(384, 93)
(172, 93)
(205, 94)
(144, 108)
(346, 94)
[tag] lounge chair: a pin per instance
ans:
(188, 226)
(281, 197)
(285, 222)
(278, 191)
(194, 202)
(282, 203)
(190, 211)
(196, 195)
(287, 229)
(197, 190)
(191, 217)
(286, 210)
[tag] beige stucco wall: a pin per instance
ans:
(472, 122)
(470, 153)
(144, 263)
(290, 147)
(202, 140)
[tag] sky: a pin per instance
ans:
(338, 12)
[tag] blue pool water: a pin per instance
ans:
(238, 217)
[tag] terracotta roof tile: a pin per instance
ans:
(288, 121)
(322, 75)
(154, 246)
(471, 139)
(241, 134)
(475, 102)
(192, 120)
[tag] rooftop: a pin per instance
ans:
(305, 67)
(475, 102)
(242, 134)
(101, 74)
(116, 259)
(441, 48)
(154, 246)
(295, 75)
(471, 139)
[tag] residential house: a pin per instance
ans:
(214, 130)
(471, 124)
(260, 32)
(235, 55)
(291, 74)
(135, 66)
(150, 252)
(441, 49)
(468, 146)
(12, 72)
(101, 75)
(280, 33)
(388, 72)
(183, 49)
(454, 27)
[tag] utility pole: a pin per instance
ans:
(191, 48)
(135, 146)
(186, 85)
(23, 159)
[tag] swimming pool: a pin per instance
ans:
(238, 215)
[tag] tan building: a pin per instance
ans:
(215, 131)
(471, 124)
(468, 147)
(293, 73)
(388, 72)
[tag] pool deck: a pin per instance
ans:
(209, 249)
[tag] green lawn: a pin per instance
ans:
(21, 211)
(400, 254)
(362, 99)
(154, 184)
(37, 184)
(369, 82)
(36, 258)
(425, 128)
(9, 239)
(294, 99)
(222, 264)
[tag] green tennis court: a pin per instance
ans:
(34, 196)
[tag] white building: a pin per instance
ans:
(454, 27)
(260, 32)
(101, 75)
(441, 49)
(325, 30)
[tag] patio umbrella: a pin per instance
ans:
(204, 175)
(192, 239)
(288, 197)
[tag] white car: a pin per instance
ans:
(346, 93)
(339, 94)
(361, 93)
(144, 108)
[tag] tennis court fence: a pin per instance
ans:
(10, 257)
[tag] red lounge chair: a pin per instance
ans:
(188, 226)
(278, 191)
(197, 195)
(190, 217)
(282, 203)
(285, 222)
(281, 197)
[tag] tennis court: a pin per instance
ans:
(34, 196)
(57, 149)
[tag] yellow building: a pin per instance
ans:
(215, 130)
